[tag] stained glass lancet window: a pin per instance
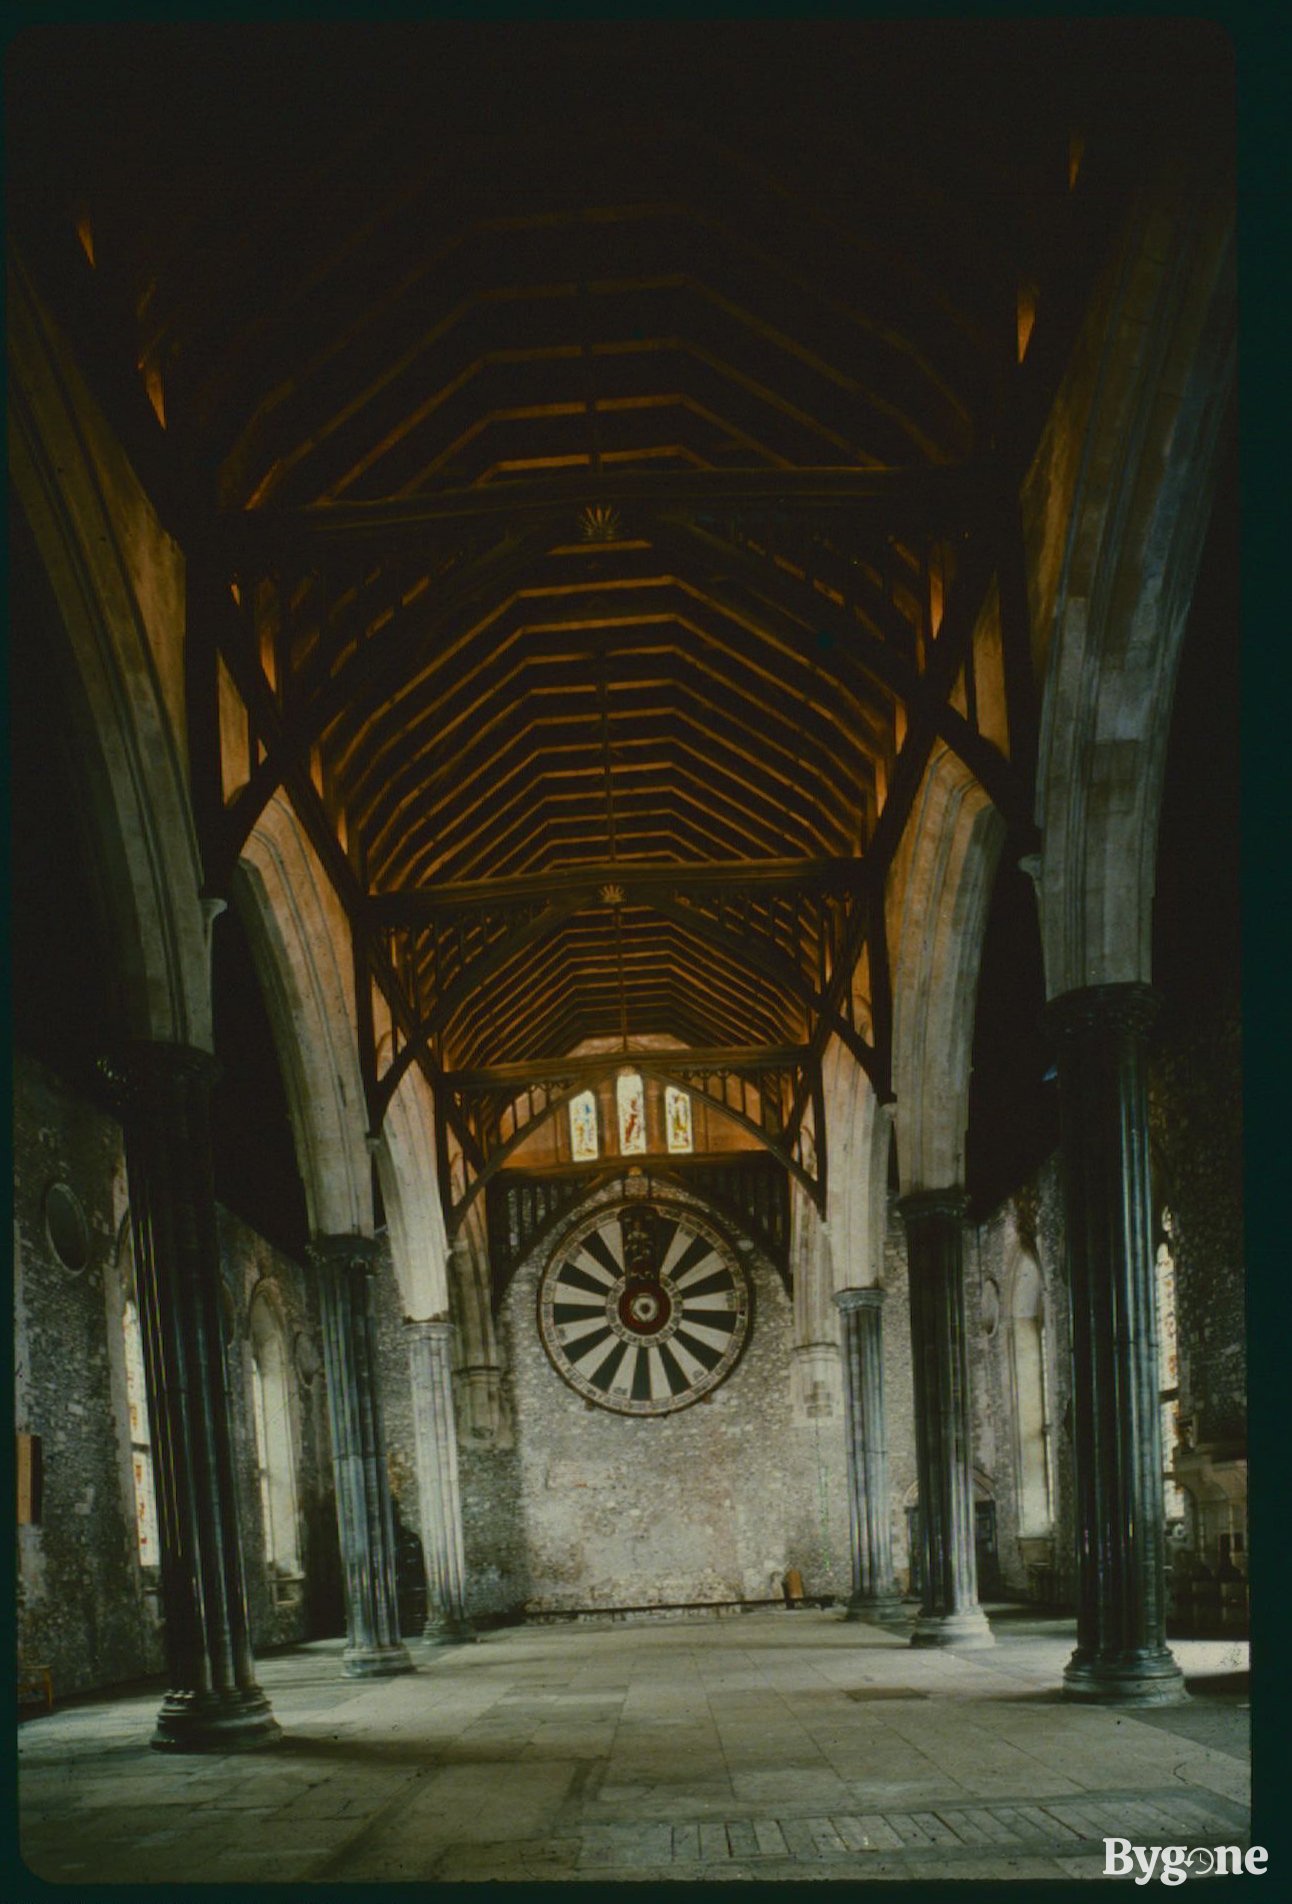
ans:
(1168, 1380)
(632, 1113)
(141, 1453)
(677, 1118)
(583, 1128)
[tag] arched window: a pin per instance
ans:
(141, 1452)
(275, 1466)
(583, 1128)
(1031, 1401)
(677, 1118)
(1168, 1379)
(632, 1113)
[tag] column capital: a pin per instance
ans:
(139, 1069)
(431, 1328)
(869, 1297)
(1129, 1007)
(1033, 865)
(918, 1204)
(326, 1252)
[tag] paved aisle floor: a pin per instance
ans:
(769, 1745)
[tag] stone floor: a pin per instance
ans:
(774, 1745)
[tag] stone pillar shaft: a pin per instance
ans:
(214, 1703)
(950, 1614)
(1101, 1034)
(365, 1520)
(874, 1595)
(431, 1368)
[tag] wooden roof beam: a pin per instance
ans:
(509, 1079)
(586, 882)
(927, 497)
(535, 743)
(753, 819)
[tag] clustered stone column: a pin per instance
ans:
(214, 1703)
(365, 1520)
(1101, 1034)
(874, 1594)
(431, 1369)
(949, 1614)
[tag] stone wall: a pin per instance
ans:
(1195, 1115)
(592, 1510)
(556, 1514)
(305, 1603)
(1026, 1230)
(1026, 1226)
(899, 1392)
(393, 1374)
(1195, 1118)
(87, 1607)
(566, 1506)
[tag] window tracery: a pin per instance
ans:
(583, 1128)
(632, 1113)
(677, 1119)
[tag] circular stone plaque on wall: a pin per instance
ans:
(644, 1307)
(66, 1227)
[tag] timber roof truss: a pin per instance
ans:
(588, 527)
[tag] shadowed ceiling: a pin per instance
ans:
(594, 446)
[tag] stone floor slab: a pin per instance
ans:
(769, 1750)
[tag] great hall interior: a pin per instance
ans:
(624, 684)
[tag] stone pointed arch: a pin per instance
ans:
(1147, 398)
(118, 581)
(300, 944)
(860, 1131)
(815, 1390)
(937, 912)
(480, 1394)
(410, 1192)
(469, 1258)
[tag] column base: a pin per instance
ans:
(966, 1629)
(882, 1609)
(447, 1630)
(215, 1722)
(376, 1662)
(1150, 1679)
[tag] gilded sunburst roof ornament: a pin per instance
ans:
(599, 523)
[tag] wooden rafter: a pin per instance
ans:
(963, 610)
(584, 882)
(436, 414)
